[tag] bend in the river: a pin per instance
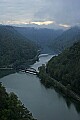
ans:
(45, 104)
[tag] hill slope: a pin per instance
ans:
(15, 49)
(66, 67)
(66, 39)
(11, 108)
(43, 37)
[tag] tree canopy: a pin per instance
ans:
(66, 67)
(15, 49)
(11, 107)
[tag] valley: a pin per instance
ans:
(20, 55)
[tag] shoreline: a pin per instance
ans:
(4, 71)
(49, 82)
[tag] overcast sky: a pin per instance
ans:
(46, 13)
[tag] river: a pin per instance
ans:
(45, 104)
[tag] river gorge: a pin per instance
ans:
(45, 104)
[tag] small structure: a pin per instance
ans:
(30, 70)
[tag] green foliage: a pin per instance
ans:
(11, 108)
(66, 39)
(45, 79)
(15, 50)
(5, 72)
(66, 67)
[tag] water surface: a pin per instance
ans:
(45, 104)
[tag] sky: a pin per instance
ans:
(43, 13)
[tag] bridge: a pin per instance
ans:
(30, 71)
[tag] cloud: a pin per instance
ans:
(43, 23)
(64, 25)
(14, 22)
(40, 12)
(29, 22)
(62, 11)
(50, 24)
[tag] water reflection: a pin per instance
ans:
(69, 101)
(45, 104)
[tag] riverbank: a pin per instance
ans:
(12, 108)
(5, 72)
(43, 103)
(52, 83)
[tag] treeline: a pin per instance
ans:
(11, 107)
(4, 72)
(65, 68)
(15, 49)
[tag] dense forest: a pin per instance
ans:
(11, 107)
(15, 49)
(66, 67)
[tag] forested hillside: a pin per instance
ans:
(50, 39)
(66, 39)
(15, 49)
(43, 37)
(66, 67)
(11, 108)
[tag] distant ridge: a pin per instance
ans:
(67, 38)
(43, 37)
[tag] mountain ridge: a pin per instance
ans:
(67, 38)
(14, 48)
(42, 36)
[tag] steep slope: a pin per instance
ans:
(43, 37)
(15, 50)
(66, 39)
(66, 67)
(11, 108)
